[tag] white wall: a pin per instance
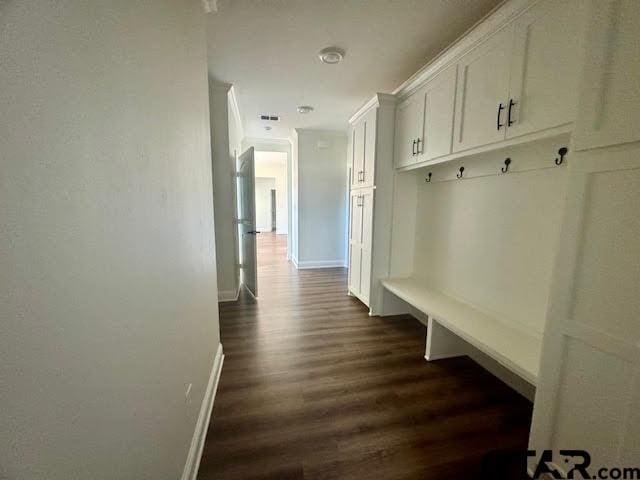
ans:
(107, 261)
(321, 197)
(274, 165)
(226, 135)
(263, 187)
(491, 240)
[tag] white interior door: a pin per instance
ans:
(247, 221)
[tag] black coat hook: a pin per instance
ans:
(428, 179)
(459, 175)
(507, 162)
(562, 152)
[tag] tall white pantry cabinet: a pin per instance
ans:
(370, 156)
(502, 202)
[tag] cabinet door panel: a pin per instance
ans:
(354, 268)
(358, 154)
(609, 112)
(407, 130)
(483, 84)
(369, 148)
(546, 64)
(355, 218)
(367, 218)
(439, 105)
(351, 156)
(365, 275)
(366, 201)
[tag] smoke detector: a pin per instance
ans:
(331, 55)
(305, 109)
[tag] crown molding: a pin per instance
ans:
(489, 25)
(379, 99)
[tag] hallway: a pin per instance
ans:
(312, 387)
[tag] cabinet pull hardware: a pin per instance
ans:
(459, 175)
(413, 148)
(418, 151)
(498, 124)
(507, 162)
(562, 152)
(428, 179)
(511, 104)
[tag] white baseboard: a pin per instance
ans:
(190, 471)
(294, 260)
(228, 295)
(320, 264)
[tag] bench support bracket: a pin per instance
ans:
(442, 343)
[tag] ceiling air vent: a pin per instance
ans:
(270, 118)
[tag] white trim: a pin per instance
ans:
(233, 100)
(377, 100)
(319, 264)
(190, 471)
(229, 295)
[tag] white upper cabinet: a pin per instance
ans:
(364, 151)
(520, 79)
(409, 118)
(369, 161)
(610, 107)
(357, 156)
(483, 92)
(439, 101)
(547, 58)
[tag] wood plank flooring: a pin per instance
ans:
(314, 388)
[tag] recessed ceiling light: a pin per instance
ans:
(331, 55)
(305, 109)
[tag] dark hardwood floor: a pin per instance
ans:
(314, 388)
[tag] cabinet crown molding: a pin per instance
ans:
(377, 100)
(495, 20)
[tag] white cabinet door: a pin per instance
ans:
(355, 240)
(610, 102)
(439, 102)
(408, 128)
(355, 252)
(350, 157)
(483, 92)
(368, 166)
(358, 154)
(366, 200)
(546, 65)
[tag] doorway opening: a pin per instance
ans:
(271, 208)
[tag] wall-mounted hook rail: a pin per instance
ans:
(460, 173)
(428, 179)
(507, 162)
(562, 152)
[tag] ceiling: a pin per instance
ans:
(268, 50)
